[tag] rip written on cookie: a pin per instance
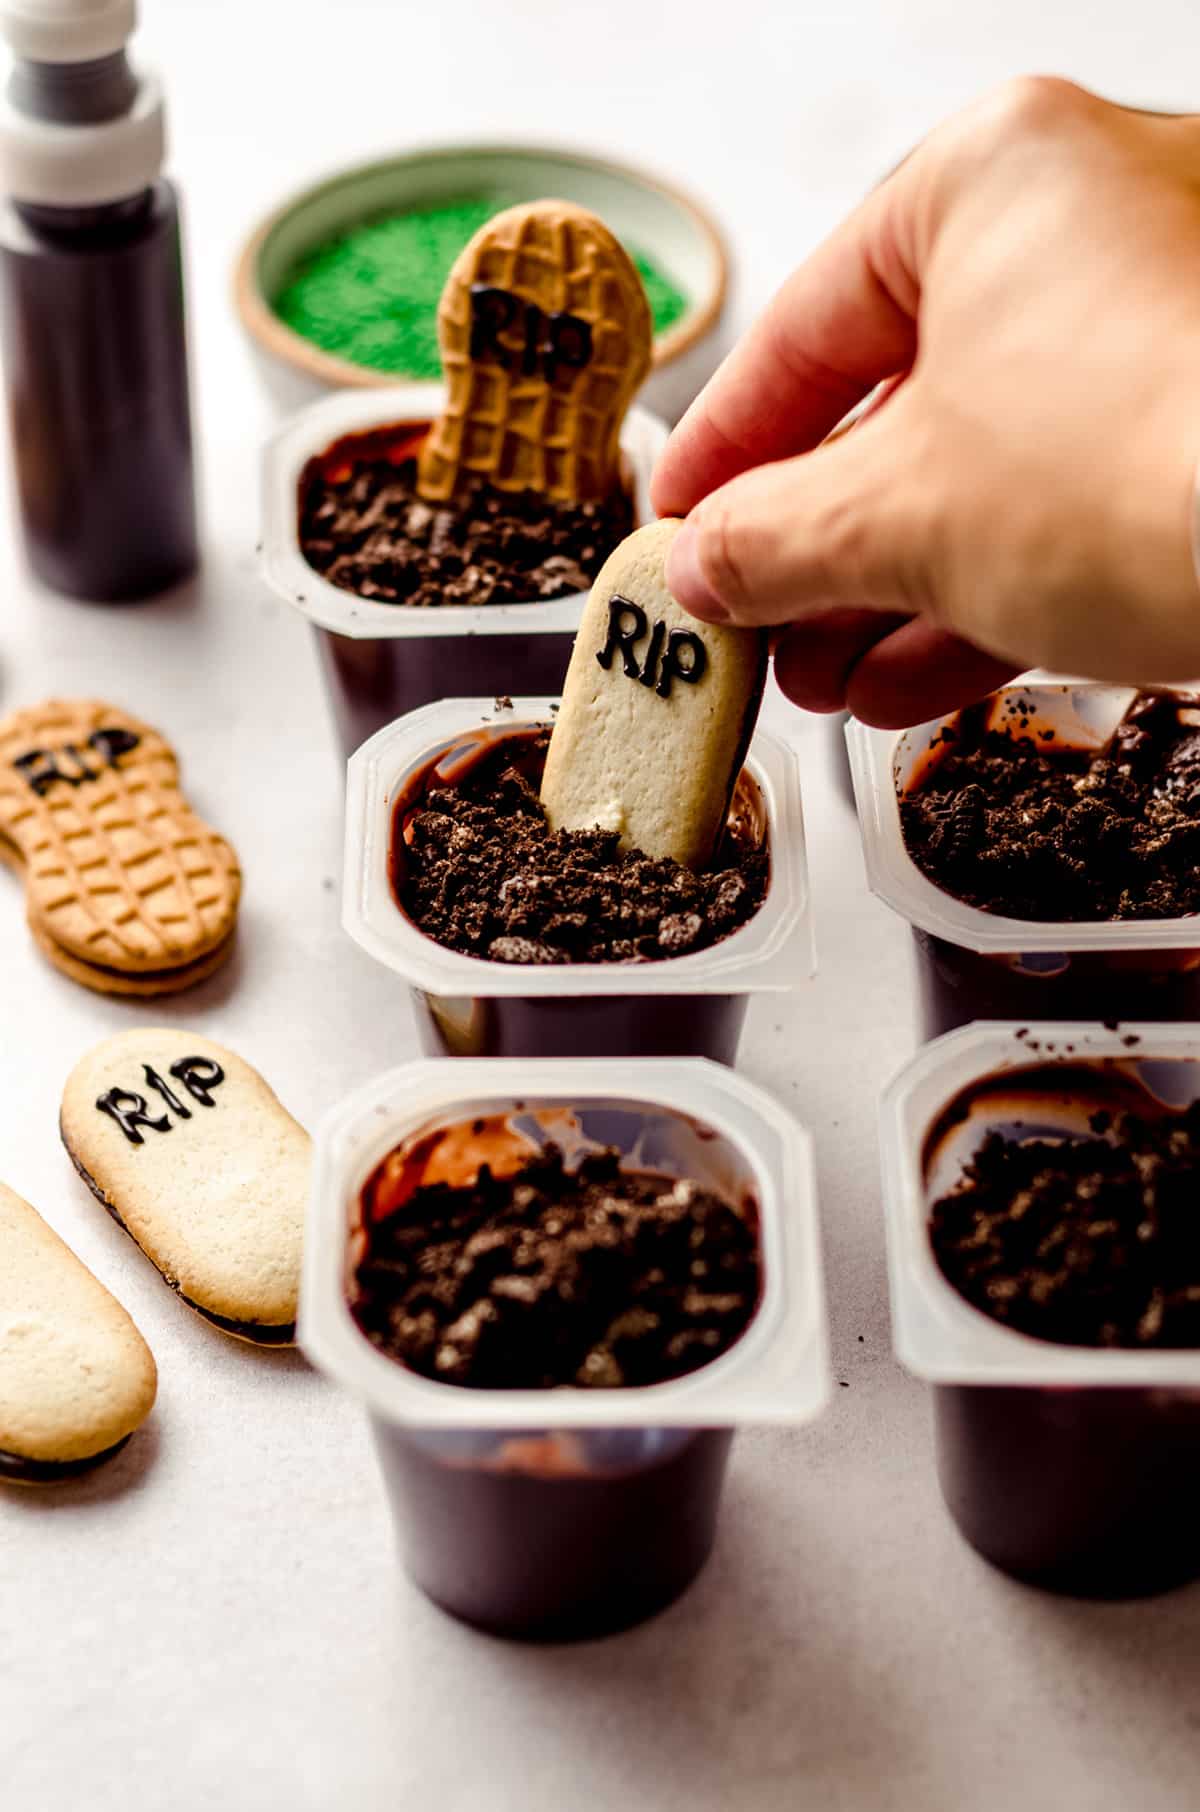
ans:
(684, 658)
(42, 767)
(547, 340)
(197, 1075)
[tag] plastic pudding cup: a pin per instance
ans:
(973, 964)
(381, 660)
(571, 1513)
(691, 1005)
(1072, 1468)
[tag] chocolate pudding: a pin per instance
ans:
(531, 1547)
(596, 1277)
(1007, 817)
(1016, 824)
(364, 528)
(487, 1262)
(476, 867)
(486, 877)
(1088, 1237)
(1088, 1241)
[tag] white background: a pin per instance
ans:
(215, 1620)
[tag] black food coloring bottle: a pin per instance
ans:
(92, 307)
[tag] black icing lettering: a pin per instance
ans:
(650, 664)
(198, 1075)
(492, 310)
(39, 768)
(112, 744)
(673, 668)
(548, 342)
(131, 1111)
(42, 767)
(531, 351)
(626, 625)
(77, 770)
(568, 341)
(168, 1094)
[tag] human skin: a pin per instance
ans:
(1029, 281)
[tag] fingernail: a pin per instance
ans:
(687, 583)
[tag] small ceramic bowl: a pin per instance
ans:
(653, 217)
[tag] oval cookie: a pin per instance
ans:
(657, 711)
(76, 1377)
(120, 874)
(189, 1149)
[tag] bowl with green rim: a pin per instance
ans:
(338, 286)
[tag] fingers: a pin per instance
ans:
(889, 672)
(843, 321)
(849, 524)
(919, 672)
(815, 660)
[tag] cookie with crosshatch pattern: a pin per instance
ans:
(545, 335)
(127, 889)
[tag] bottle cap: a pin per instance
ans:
(66, 31)
(77, 129)
(57, 166)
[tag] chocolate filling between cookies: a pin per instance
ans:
(16, 1468)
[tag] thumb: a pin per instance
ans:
(844, 525)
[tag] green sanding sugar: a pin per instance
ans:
(371, 294)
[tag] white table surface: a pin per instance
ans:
(215, 1619)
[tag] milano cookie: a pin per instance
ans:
(545, 335)
(76, 1377)
(127, 890)
(192, 1153)
(657, 712)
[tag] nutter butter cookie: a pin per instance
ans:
(76, 1377)
(545, 335)
(188, 1148)
(657, 712)
(128, 891)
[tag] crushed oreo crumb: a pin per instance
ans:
(371, 534)
(596, 1277)
(477, 868)
(1088, 1242)
(1041, 832)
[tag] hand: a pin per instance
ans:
(1029, 278)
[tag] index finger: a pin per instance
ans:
(841, 323)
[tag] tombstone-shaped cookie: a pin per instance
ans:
(188, 1147)
(657, 712)
(545, 335)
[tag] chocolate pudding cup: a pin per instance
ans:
(569, 1513)
(1073, 1468)
(691, 1005)
(380, 660)
(973, 964)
